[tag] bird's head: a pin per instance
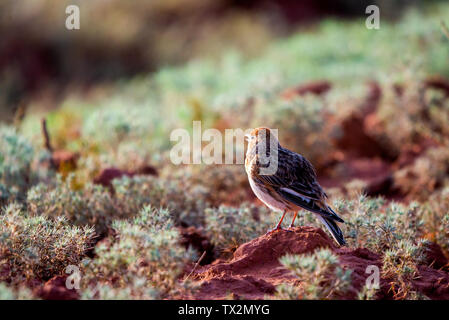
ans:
(258, 135)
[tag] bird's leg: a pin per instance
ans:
(278, 227)
(293, 220)
(280, 221)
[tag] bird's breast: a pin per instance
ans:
(264, 195)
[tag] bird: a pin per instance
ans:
(293, 184)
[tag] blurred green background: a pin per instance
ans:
(40, 60)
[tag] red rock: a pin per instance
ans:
(193, 237)
(355, 140)
(107, 175)
(437, 82)
(315, 87)
(245, 287)
(435, 257)
(147, 170)
(55, 289)
(410, 152)
(254, 270)
(64, 158)
(358, 260)
(433, 283)
(380, 186)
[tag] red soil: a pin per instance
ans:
(55, 289)
(314, 87)
(64, 158)
(362, 154)
(193, 237)
(254, 270)
(107, 175)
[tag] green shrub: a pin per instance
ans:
(400, 264)
(427, 174)
(144, 260)
(91, 206)
(377, 226)
(95, 205)
(16, 155)
(218, 184)
(140, 256)
(186, 204)
(39, 247)
(320, 275)
(21, 293)
(286, 291)
(367, 293)
(229, 227)
(436, 217)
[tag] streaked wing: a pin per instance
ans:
(295, 181)
(294, 172)
(315, 206)
(295, 185)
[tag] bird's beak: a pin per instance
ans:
(247, 137)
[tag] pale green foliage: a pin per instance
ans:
(429, 170)
(21, 293)
(39, 247)
(16, 155)
(217, 184)
(320, 275)
(229, 226)
(367, 293)
(93, 205)
(436, 216)
(144, 258)
(186, 205)
(286, 291)
(113, 124)
(372, 225)
(400, 263)
(137, 289)
(285, 115)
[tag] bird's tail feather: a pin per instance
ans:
(336, 216)
(336, 232)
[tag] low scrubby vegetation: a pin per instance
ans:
(392, 188)
(39, 247)
(320, 274)
(142, 262)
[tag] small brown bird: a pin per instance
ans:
(292, 186)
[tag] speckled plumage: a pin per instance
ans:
(293, 186)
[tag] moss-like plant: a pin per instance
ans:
(143, 260)
(377, 226)
(320, 275)
(93, 205)
(20, 293)
(16, 155)
(400, 265)
(228, 226)
(39, 247)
